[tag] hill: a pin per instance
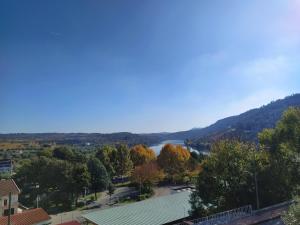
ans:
(80, 139)
(245, 126)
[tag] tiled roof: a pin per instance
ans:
(154, 211)
(7, 186)
(28, 217)
(70, 223)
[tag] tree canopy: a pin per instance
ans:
(146, 176)
(140, 155)
(173, 159)
(230, 173)
(99, 175)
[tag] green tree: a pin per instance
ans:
(227, 179)
(98, 174)
(80, 179)
(283, 143)
(111, 190)
(121, 161)
(63, 153)
(292, 216)
(106, 155)
(60, 182)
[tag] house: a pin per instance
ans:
(36, 216)
(6, 187)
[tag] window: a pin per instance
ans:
(5, 202)
(6, 211)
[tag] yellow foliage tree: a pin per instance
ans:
(140, 155)
(173, 159)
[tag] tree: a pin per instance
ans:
(287, 131)
(106, 155)
(230, 168)
(63, 153)
(60, 182)
(80, 179)
(98, 174)
(111, 190)
(173, 159)
(283, 144)
(292, 216)
(146, 175)
(227, 179)
(140, 154)
(121, 160)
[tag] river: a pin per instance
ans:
(159, 146)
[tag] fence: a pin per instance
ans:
(223, 217)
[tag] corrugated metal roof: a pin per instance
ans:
(154, 211)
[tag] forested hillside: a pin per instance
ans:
(81, 139)
(244, 126)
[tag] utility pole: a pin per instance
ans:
(9, 208)
(255, 180)
(37, 186)
(256, 190)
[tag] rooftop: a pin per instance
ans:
(7, 186)
(154, 211)
(28, 217)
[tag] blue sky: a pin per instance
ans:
(142, 66)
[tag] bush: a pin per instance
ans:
(144, 196)
(80, 204)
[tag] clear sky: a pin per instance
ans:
(142, 66)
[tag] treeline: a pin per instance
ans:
(60, 176)
(245, 126)
(238, 173)
(12, 141)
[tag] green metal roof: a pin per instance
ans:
(153, 211)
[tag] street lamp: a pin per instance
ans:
(37, 186)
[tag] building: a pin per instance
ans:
(28, 217)
(6, 187)
(6, 166)
(155, 211)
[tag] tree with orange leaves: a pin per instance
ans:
(146, 175)
(140, 155)
(173, 159)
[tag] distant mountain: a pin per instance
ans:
(244, 126)
(81, 139)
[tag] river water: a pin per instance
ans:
(159, 146)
